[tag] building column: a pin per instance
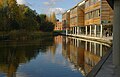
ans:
(101, 51)
(116, 33)
(86, 45)
(73, 30)
(90, 30)
(101, 30)
(95, 49)
(95, 31)
(77, 43)
(90, 46)
(66, 40)
(70, 30)
(86, 30)
(78, 31)
(66, 32)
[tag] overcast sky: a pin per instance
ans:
(48, 6)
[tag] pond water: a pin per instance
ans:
(58, 56)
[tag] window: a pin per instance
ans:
(87, 4)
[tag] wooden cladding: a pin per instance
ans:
(92, 21)
(66, 20)
(77, 17)
(91, 13)
(81, 17)
(92, 7)
(106, 13)
(98, 13)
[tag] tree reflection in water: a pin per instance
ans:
(63, 56)
(14, 53)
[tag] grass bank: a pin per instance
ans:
(24, 35)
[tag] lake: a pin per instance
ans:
(58, 56)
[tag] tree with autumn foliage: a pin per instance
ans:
(21, 17)
(45, 25)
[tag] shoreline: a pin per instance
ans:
(97, 68)
(107, 40)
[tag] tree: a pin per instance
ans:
(43, 17)
(53, 18)
(21, 17)
(47, 26)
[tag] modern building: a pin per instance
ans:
(98, 18)
(66, 21)
(92, 18)
(58, 26)
(77, 19)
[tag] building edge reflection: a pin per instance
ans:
(83, 54)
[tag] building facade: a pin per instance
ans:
(98, 18)
(77, 19)
(66, 21)
(58, 26)
(92, 18)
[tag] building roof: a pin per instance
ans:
(111, 3)
(79, 4)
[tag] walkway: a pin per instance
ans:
(103, 39)
(108, 69)
(105, 67)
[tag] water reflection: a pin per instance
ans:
(14, 53)
(50, 57)
(83, 54)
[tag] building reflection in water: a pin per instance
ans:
(53, 48)
(80, 54)
(83, 54)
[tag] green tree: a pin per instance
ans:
(47, 26)
(21, 17)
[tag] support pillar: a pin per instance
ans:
(90, 30)
(101, 51)
(95, 51)
(86, 30)
(101, 30)
(95, 31)
(90, 46)
(116, 33)
(73, 30)
(78, 31)
(66, 32)
(77, 43)
(86, 45)
(74, 42)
